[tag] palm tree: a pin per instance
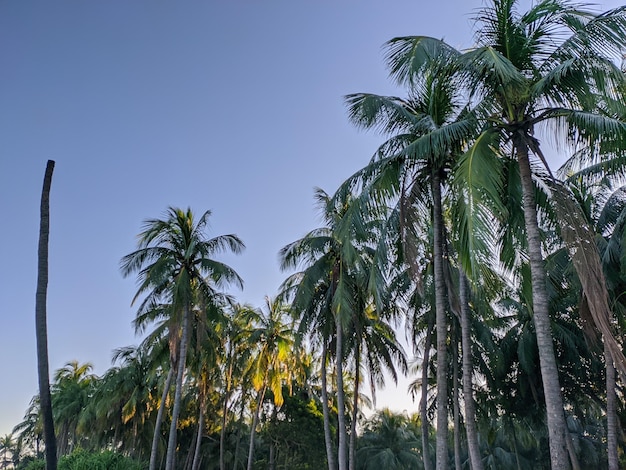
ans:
(174, 264)
(428, 130)
(375, 348)
(388, 442)
(43, 369)
(549, 66)
(329, 293)
(7, 446)
(273, 341)
(71, 391)
(234, 330)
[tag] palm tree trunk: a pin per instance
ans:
(330, 452)
(41, 327)
(557, 428)
(255, 421)
(178, 391)
(196, 455)
(442, 328)
(611, 410)
(355, 406)
(468, 390)
(225, 412)
(424, 398)
(341, 407)
(455, 402)
(159, 419)
(238, 443)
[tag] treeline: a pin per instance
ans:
(506, 278)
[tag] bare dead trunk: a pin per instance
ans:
(41, 326)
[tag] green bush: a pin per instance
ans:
(83, 460)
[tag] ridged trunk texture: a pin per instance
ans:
(468, 369)
(41, 325)
(611, 411)
(557, 429)
(442, 328)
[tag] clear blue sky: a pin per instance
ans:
(233, 106)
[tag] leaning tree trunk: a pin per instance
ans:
(468, 369)
(171, 443)
(255, 422)
(557, 428)
(41, 328)
(611, 410)
(424, 398)
(159, 419)
(341, 407)
(442, 328)
(330, 451)
(196, 453)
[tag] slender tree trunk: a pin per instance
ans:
(41, 327)
(611, 410)
(255, 422)
(424, 398)
(442, 328)
(468, 369)
(159, 419)
(341, 407)
(355, 407)
(225, 411)
(171, 443)
(557, 429)
(330, 451)
(456, 408)
(241, 411)
(196, 455)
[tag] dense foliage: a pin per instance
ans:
(506, 278)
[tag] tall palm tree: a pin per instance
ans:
(234, 330)
(549, 65)
(174, 263)
(328, 294)
(273, 342)
(72, 390)
(41, 328)
(427, 131)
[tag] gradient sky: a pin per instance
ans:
(233, 106)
